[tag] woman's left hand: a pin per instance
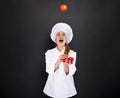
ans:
(63, 57)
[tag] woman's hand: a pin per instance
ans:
(63, 57)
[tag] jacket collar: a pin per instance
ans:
(61, 52)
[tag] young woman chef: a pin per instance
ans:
(60, 64)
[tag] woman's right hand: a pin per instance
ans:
(63, 57)
(57, 64)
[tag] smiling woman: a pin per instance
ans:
(60, 82)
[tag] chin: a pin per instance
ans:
(61, 44)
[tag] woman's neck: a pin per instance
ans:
(60, 48)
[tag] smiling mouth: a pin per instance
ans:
(60, 40)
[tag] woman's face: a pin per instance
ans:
(61, 38)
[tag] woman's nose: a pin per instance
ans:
(61, 35)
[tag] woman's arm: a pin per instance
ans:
(72, 67)
(66, 68)
(66, 65)
(57, 65)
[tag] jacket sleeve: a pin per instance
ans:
(72, 67)
(49, 60)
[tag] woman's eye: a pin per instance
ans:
(63, 34)
(58, 34)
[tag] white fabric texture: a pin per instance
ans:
(62, 27)
(58, 84)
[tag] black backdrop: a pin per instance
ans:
(25, 30)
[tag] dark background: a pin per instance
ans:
(25, 37)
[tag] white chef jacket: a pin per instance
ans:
(58, 84)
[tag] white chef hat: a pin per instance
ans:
(61, 27)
